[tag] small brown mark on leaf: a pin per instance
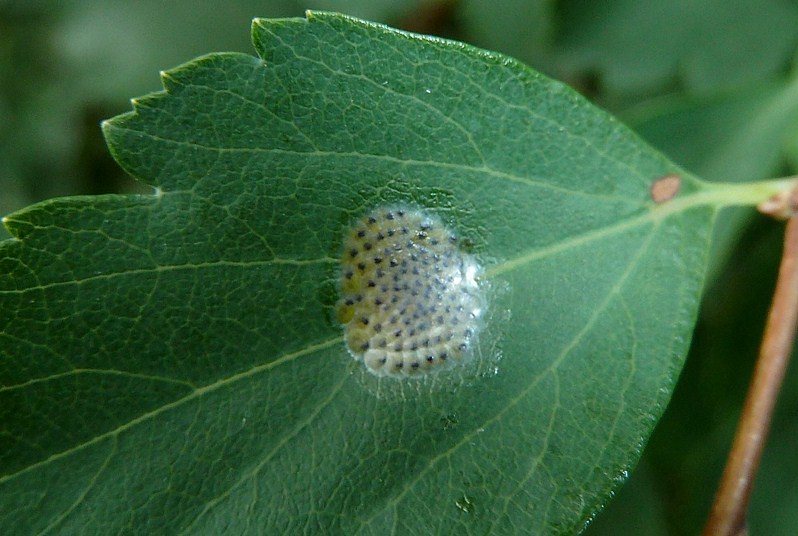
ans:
(665, 188)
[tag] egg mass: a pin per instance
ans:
(411, 303)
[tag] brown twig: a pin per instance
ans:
(729, 511)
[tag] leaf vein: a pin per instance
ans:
(301, 425)
(99, 372)
(174, 267)
(536, 182)
(197, 393)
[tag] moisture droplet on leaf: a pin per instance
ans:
(410, 300)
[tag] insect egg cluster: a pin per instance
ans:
(410, 300)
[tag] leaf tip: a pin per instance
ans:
(257, 23)
(106, 125)
(13, 225)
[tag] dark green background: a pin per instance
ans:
(710, 83)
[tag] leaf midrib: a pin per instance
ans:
(655, 214)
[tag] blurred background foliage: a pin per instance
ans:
(712, 83)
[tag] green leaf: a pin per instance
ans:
(730, 136)
(170, 363)
(702, 45)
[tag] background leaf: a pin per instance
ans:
(637, 47)
(172, 359)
